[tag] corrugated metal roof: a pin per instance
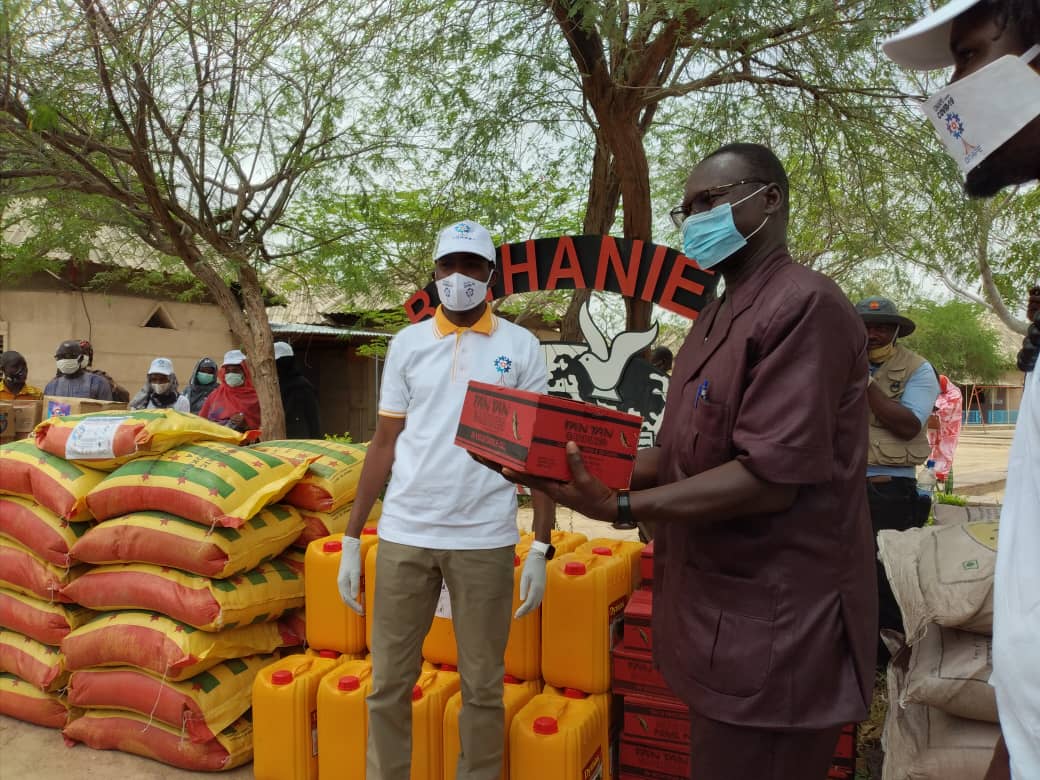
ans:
(323, 330)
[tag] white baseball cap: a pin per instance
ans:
(925, 45)
(282, 349)
(234, 357)
(162, 366)
(466, 236)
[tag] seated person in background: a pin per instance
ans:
(299, 399)
(234, 403)
(160, 389)
(72, 379)
(119, 393)
(13, 375)
(203, 382)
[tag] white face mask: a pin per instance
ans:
(234, 380)
(68, 365)
(160, 387)
(459, 292)
(979, 113)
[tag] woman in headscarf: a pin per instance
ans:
(235, 402)
(943, 438)
(203, 382)
(160, 389)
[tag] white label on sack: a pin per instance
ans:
(443, 603)
(92, 438)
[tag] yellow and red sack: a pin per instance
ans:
(23, 571)
(210, 483)
(332, 478)
(36, 663)
(132, 733)
(107, 440)
(23, 701)
(318, 525)
(39, 529)
(256, 596)
(47, 622)
(164, 646)
(60, 486)
(204, 705)
(168, 540)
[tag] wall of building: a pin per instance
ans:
(34, 322)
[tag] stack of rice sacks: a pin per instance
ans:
(942, 718)
(190, 568)
(42, 513)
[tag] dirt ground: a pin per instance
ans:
(29, 752)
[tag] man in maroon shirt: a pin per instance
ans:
(764, 584)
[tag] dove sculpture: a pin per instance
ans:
(606, 362)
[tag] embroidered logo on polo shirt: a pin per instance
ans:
(503, 364)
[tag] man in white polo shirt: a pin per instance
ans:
(444, 516)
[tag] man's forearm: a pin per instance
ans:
(379, 459)
(726, 492)
(645, 473)
(892, 414)
(544, 516)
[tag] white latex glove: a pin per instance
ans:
(532, 582)
(349, 577)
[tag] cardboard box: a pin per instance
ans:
(657, 718)
(64, 406)
(643, 759)
(635, 674)
(646, 566)
(843, 765)
(18, 418)
(528, 432)
(638, 633)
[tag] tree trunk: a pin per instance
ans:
(259, 348)
(600, 212)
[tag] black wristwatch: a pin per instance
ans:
(624, 509)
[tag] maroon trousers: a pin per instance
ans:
(721, 751)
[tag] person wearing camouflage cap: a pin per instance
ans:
(902, 391)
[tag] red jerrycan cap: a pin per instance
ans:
(332, 546)
(417, 693)
(511, 680)
(348, 682)
(574, 693)
(574, 568)
(282, 677)
(545, 725)
(602, 551)
(448, 668)
(328, 654)
(370, 531)
(516, 560)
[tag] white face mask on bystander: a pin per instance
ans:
(979, 113)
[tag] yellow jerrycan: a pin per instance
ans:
(331, 624)
(429, 698)
(631, 551)
(585, 596)
(285, 717)
(557, 738)
(515, 695)
(343, 720)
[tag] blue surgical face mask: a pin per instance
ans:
(234, 380)
(711, 236)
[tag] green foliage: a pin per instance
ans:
(950, 498)
(956, 340)
(340, 438)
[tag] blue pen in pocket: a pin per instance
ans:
(702, 393)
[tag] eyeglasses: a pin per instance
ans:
(705, 200)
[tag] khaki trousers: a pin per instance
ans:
(720, 751)
(408, 585)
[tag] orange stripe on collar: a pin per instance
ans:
(445, 327)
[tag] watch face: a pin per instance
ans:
(550, 552)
